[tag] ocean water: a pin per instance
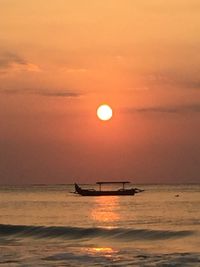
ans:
(46, 225)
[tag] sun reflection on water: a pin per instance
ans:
(102, 251)
(106, 210)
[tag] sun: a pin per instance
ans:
(104, 112)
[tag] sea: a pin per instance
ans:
(48, 225)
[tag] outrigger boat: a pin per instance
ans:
(120, 192)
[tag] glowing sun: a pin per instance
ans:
(104, 112)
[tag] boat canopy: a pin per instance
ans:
(120, 182)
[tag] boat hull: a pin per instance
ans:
(86, 192)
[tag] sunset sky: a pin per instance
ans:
(59, 60)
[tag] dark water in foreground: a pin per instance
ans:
(48, 226)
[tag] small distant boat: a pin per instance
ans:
(120, 192)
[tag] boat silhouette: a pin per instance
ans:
(120, 192)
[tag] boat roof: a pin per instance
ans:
(118, 182)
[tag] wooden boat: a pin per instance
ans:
(120, 192)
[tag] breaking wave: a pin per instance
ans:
(88, 233)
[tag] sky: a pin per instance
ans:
(59, 60)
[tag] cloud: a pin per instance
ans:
(9, 60)
(13, 62)
(43, 92)
(58, 93)
(179, 109)
(179, 79)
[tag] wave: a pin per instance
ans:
(88, 233)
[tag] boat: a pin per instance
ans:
(120, 192)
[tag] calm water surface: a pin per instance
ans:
(49, 226)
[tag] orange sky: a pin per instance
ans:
(60, 59)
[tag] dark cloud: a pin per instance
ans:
(179, 109)
(57, 93)
(42, 92)
(8, 58)
(178, 79)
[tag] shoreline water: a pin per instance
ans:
(48, 226)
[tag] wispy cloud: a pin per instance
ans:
(58, 93)
(43, 92)
(7, 59)
(178, 79)
(12, 61)
(179, 109)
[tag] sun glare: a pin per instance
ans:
(104, 112)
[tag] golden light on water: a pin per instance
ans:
(105, 251)
(109, 215)
(104, 112)
(101, 250)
